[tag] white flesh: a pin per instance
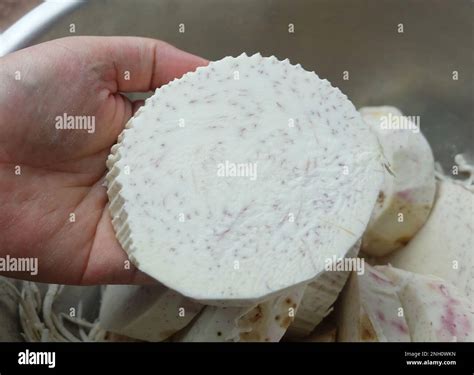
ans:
(444, 247)
(435, 310)
(216, 234)
(407, 195)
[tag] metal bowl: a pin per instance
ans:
(412, 70)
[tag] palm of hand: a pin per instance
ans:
(54, 204)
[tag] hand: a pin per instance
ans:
(47, 174)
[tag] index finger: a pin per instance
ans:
(135, 64)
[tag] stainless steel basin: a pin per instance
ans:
(412, 70)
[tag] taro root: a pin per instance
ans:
(265, 322)
(148, 313)
(370, 310)
(435, 310)
(236, 182)
(390, 304)
(444, 246)
(407, 194)
(319, 297)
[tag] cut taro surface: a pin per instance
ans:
(237, 181)
(408, 191)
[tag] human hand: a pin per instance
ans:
(47, 174)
